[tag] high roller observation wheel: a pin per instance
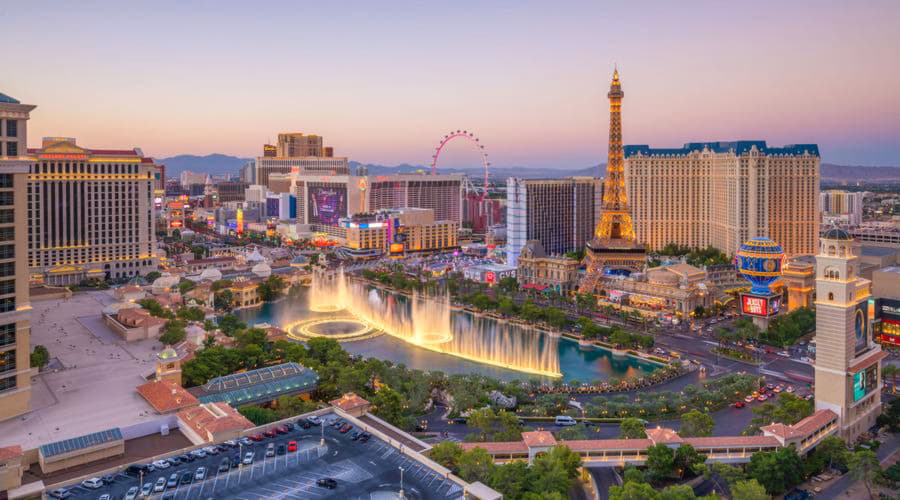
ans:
(472, 138)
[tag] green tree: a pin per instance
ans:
(152, 276)
(186, 286)
(271, 288)
(500, 426)
(223, 300)
(660, 463)
(388, 404)
(173, 332)
(632, 428)
(633, 475)
(687, 460)
(677, 492)
(696, 424)
(258, 415)
(511, 479)
(633, 491)
(776, 470)
(190, 313)
(476, 465)
(40, 356)
(509, 285)
(155, 309)
(555, 471)
(833, 451)
(749, 490)
(231, 324)
(447, 453)
(864, 466)
(788, 410)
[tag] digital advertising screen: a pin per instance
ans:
(756, 305)
(327, 204)
(861, 327)
(864, 382)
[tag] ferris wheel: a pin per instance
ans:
(472, 139)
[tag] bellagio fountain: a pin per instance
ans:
(351, 310)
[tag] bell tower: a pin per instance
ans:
(848, 361)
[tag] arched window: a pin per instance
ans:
(830, 295)
(831, 250)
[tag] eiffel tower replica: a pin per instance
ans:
(613, 250)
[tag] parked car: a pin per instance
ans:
(225, 465)
(355, 435)
(248, 458)
(292, 446)
(160, 485)
(246, 441)
(280, 450)
(211, 450)
(304, 424)
(93, 483)
(174, 460)
(161, 464)
(173, 480)
(748, 399)
(762, 397)
(199, 453)
(187, 457)
(132, 493)
(289, 426)
(269, 433)
(739, 404)
(59, 493)
(281, 429)
(346, 428)
(327, 482)
(257, 437)
(270, 450)
(365, 437)
(147, 489)
(314, 420)
(200, 474)
(108, 479)
(186, 477)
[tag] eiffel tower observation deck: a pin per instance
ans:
(613, 250)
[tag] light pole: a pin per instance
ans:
(401, 482)
(322, 428)
(141, 473)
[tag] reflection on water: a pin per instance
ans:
(485, 337)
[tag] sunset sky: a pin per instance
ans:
(384, 80)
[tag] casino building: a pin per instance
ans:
(90, 213)
(724, 193)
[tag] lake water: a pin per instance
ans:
(575, 362)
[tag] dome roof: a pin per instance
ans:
(7, 99)
(167, 353)
(262, 270)
(166, 281)
(255, 256)
(836, 233)
(759, 246)
(210, 274)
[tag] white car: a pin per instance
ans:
(200, 475)
(93, 483)
(248, 458)
(784, 354)
(132, 493)
(199, 453)
(160, 485)
(162, 464)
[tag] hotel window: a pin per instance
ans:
(12, 129)
(7, 334)
(7, 384)
(7, 361)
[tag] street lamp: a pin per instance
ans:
(322, 440)
(401, 482)
(141, 473)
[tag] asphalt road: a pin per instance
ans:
(360, 469)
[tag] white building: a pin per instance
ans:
(842, 207)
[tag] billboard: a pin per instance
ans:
(864, 382)
(327, 204)
(759, 305)
(861, 327)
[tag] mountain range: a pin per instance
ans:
(219, 164)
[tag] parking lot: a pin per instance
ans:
(360, 470)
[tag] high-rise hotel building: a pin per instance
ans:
(15, 307)
(560, 213)
(90, 213)
(724, 193)
(301, 154)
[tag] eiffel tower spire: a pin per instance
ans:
(614, 244)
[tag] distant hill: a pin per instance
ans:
(844, 173)
(213, 164)
(219, 164)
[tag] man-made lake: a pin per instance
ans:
(489, 338)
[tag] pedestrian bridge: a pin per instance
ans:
(804, 435)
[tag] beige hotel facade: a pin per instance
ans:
(724, 193)
(15, 306)
(90, 213)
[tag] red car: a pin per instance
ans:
(269, 433)
(281, 429)
(739, 404)
(346, 428)
(292, 446)
(257, 437)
